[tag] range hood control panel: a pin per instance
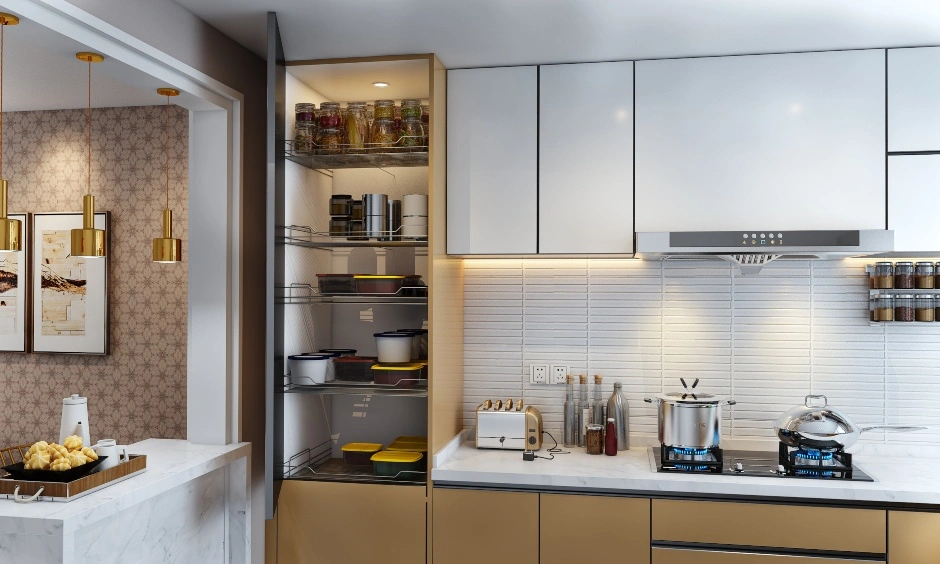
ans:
(776, 239)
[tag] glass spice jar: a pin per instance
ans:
(924, 276)
(357, 127)
(924, 308)
(384, 133)
(304, 112)
(904, 307)
(426, 124)
(304, 137)
(329, 141)
(411, 135)
(410, 109)
(330, 116)
(904, 275)
(884, 308)
(339, 227)
(883, 278)
(384, 109)
(594, 439)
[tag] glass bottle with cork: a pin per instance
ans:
(583, 408)
(570, 434)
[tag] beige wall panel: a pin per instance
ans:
(586, 528)
(751, 524)
(328, 523)
(473, 526)
(913, 538)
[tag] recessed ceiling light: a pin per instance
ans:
(380, 84)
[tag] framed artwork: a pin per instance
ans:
(14, 292)
(70, 310)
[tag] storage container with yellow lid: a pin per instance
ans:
(404, 446)
(403, 375)
(397, 464)
(360, 454)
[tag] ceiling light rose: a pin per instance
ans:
(166, 249)
(89, 242)
(10, 229)
(380, 84)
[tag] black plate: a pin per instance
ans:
(19, 473)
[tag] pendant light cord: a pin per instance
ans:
(89, 126)
(166, 146)
(2, 27)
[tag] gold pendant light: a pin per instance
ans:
(89, 242)
(166, 249)
(10, 229)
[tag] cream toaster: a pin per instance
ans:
(508, 425)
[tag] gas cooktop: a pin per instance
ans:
(787, 463)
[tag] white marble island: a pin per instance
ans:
(191, 505)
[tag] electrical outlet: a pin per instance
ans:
(559, 374)
(538, 373)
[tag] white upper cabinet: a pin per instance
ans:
(492, 166)
(779, 142)
(913, 201)
(914, 99)
(585, 200)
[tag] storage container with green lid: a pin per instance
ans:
(402, 446)
(359, 454)
(392, 464)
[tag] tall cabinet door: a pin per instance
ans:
(913, 200)
(586, 158)
(791, 141)
(492, 152)
(914, 99)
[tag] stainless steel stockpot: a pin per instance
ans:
(689, 420)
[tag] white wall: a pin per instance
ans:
(767, 341)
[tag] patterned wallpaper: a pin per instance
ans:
(139, 390)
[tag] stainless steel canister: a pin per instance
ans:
(689, 420)
(375, 210)
(394, 220)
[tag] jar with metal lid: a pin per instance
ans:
(341, 205)
(339, 227)
(924, 307)
(305, 112)
(594, 439)
(411, 135)
(358, 210)
(884, 307)
(329, 141)
(305, 133)
(924, 276)
(384, 109)
(384, 133)
(904, 307)
(410, 109)
(426, 124)
(330, 117)
(904, 275)
(357, 127)
(883, 278)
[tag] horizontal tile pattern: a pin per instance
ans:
(799, 327)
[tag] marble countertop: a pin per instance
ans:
(899, 479)
(170, 463)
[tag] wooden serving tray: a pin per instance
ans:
(67, 491)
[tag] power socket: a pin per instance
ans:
(538, 373)
(559, 374)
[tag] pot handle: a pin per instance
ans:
(809, 400)
(731, 402)
(651, 400)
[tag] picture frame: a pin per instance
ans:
(15, 291)
(70, 303)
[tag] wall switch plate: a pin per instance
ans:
(538, 373)
(559, 374)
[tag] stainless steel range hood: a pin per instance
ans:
(751, 250)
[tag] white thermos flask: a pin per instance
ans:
(75, 419)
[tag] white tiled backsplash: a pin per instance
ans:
(799, 327)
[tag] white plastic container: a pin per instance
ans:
(414, 204)
(414, 231)
(310, 368)
(394, 346)
(415, 220)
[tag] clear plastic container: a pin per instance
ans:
(360, 454)
(883, 278)
(397, 464)
(924, 276)
(924, 308)
(354, 368)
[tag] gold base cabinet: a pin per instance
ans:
(913, 538)
(332, 522)
(687, 556)
(476, 526)
(589, 528)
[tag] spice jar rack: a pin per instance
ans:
(904, 292)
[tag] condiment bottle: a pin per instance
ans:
(571, 436)
(610, 438)
(619, 411)
(599, 406)
(583, 408)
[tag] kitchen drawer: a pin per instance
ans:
(684, 556)
(474, 526)
(772, 526)
(564, 517)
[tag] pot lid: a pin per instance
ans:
(815, 419)
(689, 397)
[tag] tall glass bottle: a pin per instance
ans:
(583, 409)
(571, 417)
(618, 410)
(598, 406)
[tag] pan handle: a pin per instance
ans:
(893, 428)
